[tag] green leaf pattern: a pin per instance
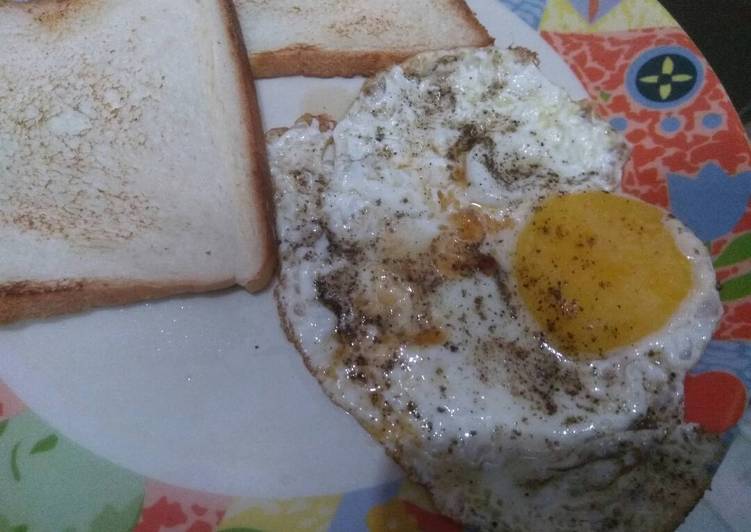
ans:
(51, 484)
(736, 288)
(737, 251)
(113, 519)
(14, 463)
(44, 445)
(5, 526)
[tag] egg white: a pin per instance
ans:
(507, 433)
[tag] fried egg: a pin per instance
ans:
(462, 274)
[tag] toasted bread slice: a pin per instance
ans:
(328, 38)
(132, 162)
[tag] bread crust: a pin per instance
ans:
(314, 61)
(308, 60)
(464, 12)
(28, 300)
(260, 177)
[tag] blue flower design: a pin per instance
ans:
(712, 203)
(665, 77)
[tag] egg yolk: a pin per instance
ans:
(599, 271)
